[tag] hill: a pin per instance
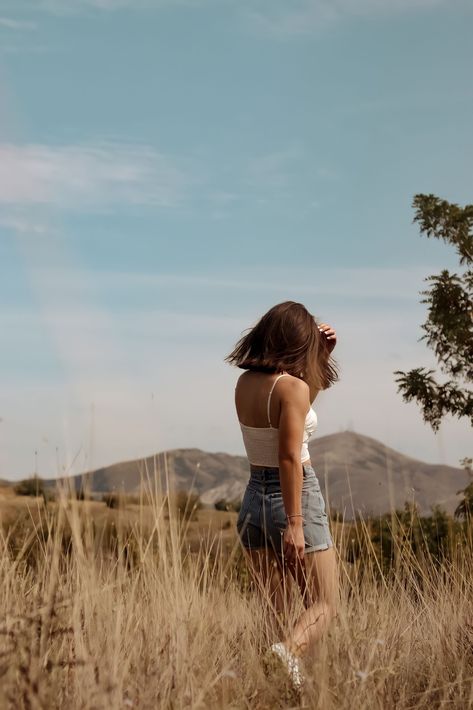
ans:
(356, 473)
(379, 478)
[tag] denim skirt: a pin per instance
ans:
(262, 517)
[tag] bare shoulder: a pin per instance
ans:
(293, 388)
(242, 376)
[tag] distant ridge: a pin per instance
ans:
(381, 478)
(377, 477)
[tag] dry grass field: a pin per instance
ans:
(140, 608)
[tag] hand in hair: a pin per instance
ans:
(330, 335)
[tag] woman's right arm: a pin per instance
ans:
(294, 401)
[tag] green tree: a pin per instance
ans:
(448, 329)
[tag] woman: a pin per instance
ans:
(282, 521)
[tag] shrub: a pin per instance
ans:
(228, 505)
(32, 486)
(391, 535)
(120, 500)
(49, 495)
(187, 504)
(113, 500)
(335, 515)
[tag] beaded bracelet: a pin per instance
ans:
(295, 515)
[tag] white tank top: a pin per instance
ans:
(262, 443)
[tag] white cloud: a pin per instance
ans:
(24, 225)
(17, 25)
(276, 17)
(271, 170)
(90, 175)
(25, 48)
(279, 172)
(74, 7)
(373, 283)
(304, 16)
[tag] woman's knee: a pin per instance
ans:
(326, 607)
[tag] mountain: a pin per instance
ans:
(356, 473)
(380, 478)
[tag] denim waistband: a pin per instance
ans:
(271, 473)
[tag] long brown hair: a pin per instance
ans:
(287, 338)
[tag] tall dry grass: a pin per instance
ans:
(129, 616)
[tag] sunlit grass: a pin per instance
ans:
(142, 607)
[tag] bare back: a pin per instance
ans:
(251, 396)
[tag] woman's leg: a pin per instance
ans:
(319, 586)
(274, 585)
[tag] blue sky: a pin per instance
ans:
(170, 170)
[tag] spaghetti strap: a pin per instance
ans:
(270, 393)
